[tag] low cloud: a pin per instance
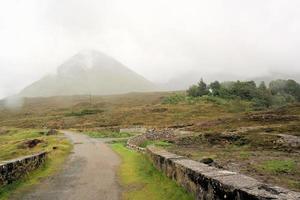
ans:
(158, 39)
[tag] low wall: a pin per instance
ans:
(133, 143)
(210, 183)
(13, 170)
(133, 130)
(148, 134)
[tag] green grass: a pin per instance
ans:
(156, 143)
(279, 166)
(108, 134)
(54, 161)
(142, 181)
(12, 143)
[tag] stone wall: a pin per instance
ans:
(13, 170)
(206, 182)
(134, 142)
(209, 183)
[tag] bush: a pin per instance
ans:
(84, 112)
(174, 99)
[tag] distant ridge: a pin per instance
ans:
(89, 72)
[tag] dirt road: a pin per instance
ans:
(89, 174)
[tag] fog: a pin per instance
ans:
(159, 39)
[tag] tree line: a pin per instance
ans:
(278, 92)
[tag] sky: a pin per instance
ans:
(159, 39)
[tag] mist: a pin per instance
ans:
(160, 40)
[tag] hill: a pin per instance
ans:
(89, 72)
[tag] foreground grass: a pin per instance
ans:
(142, 181)
(53, 163)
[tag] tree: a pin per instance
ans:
(289, 89)
(262, 86)
(277, 86)
(292, 88)
(263, 97)
(193, 91)
(245, 90)
(215, 88)
(202, 88)
(198, 90)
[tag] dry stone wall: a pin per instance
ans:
(13, 170)
(206, 182)
(210, 183)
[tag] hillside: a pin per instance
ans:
(89, 72)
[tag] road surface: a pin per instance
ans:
(89, 174)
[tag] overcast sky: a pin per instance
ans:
(159, 39)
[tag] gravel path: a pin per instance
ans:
(89, 174)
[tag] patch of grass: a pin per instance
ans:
(142, 181)
(156, 143)
(278, 166)
(108, 134)
(12, 143)
(174, 99)
(84, 112)
(55, 159)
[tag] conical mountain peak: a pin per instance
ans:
(89, 72)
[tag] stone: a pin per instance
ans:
(207, 161)
(52, 132)
(30, 143)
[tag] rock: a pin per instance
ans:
(52, 132)
(31, 143)
(3, 131)
(207, 161)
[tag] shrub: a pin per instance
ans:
(174, 99)
(84, 112)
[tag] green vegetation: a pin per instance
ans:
(278, 93)
(142, 181)
(279, 166)
(173, 99)
(84, 112)
(9, 149)
(108, 134)
(16, 143)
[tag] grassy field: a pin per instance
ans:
(142, 181)
(135, 109)
(254, 150)
(12, 146)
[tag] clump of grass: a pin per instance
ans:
(108, 134)
(142, 181)
(54, 161)
(278, 166)
(83, 112)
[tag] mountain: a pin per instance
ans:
(89, 72)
